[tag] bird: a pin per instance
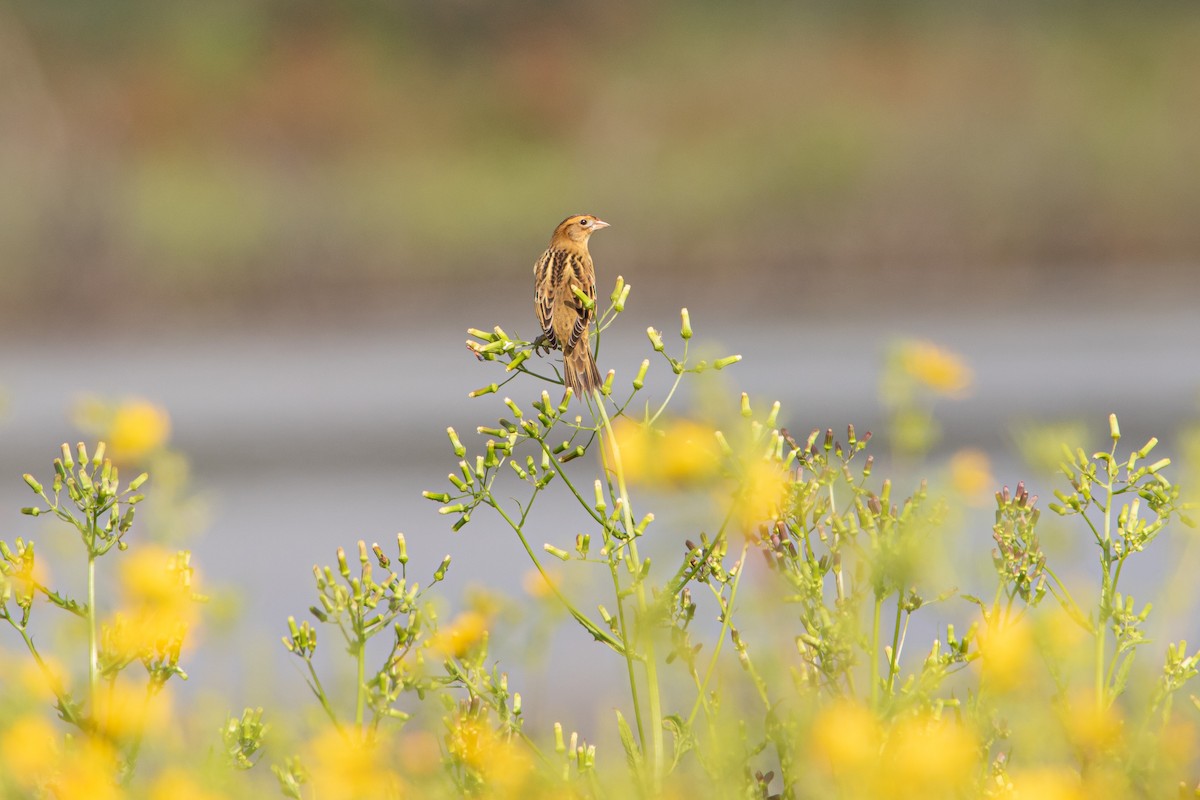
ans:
(565, 319)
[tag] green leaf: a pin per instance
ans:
(632, 753)
(683, 738)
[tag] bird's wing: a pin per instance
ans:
(583, 275)
(544, 295)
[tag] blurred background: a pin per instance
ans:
(275, 220)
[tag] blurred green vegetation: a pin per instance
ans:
(219, 151)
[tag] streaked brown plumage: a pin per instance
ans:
(565, 320)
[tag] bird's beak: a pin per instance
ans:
(598, 224)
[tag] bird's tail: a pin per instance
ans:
(579, 370)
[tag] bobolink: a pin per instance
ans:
(564, 318)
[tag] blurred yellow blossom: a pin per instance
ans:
(927, 757)
(463, 633)
(159, 604)
(133, 428)
(89, 771)
(503, 764)
(343, 766)
(763, 491)
(935, 368)
(540, 586)
(1007, 654)
(177, 784)
(681, 452)
(29, 750)
(971, 476)
(1046, 783)
(127, 708)
(1091, 728)
(419, 754)
(846, 736)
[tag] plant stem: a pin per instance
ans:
(93, 653)
(875, 651)
(894, 661)
(656, 728)
(361, 700)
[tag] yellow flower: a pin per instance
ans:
(763, 492)
(538, 586)
(29, 750)
(1089, 727)
(939, 370)
(159, 606)
(137, 428)
(682, 452)
(846, 736)
(1046, 783)
(419, 753)
(1007, 654)
(463, 633)
(926, 757)
(971, 476)
(126, 709)
(340, 765)
(502, 763)
(176, 784)
(89, 771)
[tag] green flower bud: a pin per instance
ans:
(685, 330)
(484, 335)
(617, 289)
(440, 572)
(571, 456)
(1114, 429)
(402, 548)
(81, 452)
(619, 305)
(437, 497)
(746, 412)
(558, 553)
(520, 359)
(606, 389)
(640, 380)
(508, 401)
(600, 504)
(588, 302)
(67, 461)
(489, 389)
(641, 526)
(522, 474)
(98, 456)
(31, 511)
(722, 363)
(655, 339)
(32, 482)
(459, 450)
(773, 417)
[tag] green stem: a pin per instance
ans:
(726, 624)
(361, 703)
(894, 661)
(656, 727)
(875, 651)
(93, 652)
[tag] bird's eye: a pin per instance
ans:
(585, 222)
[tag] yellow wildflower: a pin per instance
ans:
(540, 586)
(1091, 728)
(136, 429)
(29, 750)
(502, 763)
(159, 604)
(926, 757)
(88, 770)
(682, 452)
(971, 476)
(463, 633)
(176, 784)
(936, 368)
(127, 708)
(846, 736)
(341, 765)
(1046, 783)
(1007, 654)
(763, 492)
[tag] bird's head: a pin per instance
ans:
(577, 228)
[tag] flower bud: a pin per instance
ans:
(489, 389)
(459, 450)
(1114, 429)
(655, 339)
(746, 410)
(722, 363)
(402, 547)
(81, 452)
(508, 401)
(600, 504)
(437, 497)
(486, 336)
(32, 482)
(98, 456)
(640, 380)
(440, 572)
(520, 359)
(67, 461)
(620, 287)
(685, 329)
(558, 553)
(619, 305)
(606, 389)
(31, 511)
